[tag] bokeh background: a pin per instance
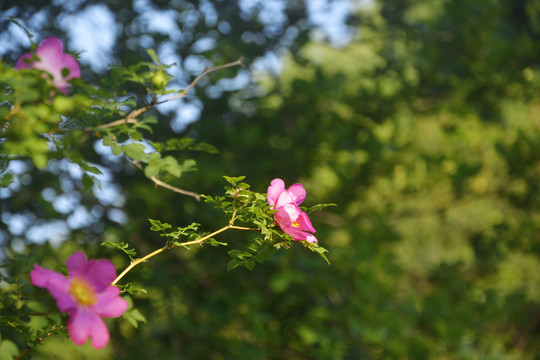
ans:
(419, 118)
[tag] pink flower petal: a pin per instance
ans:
(282, 218)
(50, 52)
(50, 49)
(100, 273)
(312, 239)
(84, 323)
(298, 234)
(77, 265)
(57, 284)
(292, 210)
(305, 223)
(277, 186)
(109, 304)
(42, 277)
(67, 61)
(23, 62)
(297, 193)
(53, 60)
(290, 213)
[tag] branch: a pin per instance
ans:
(166, 247)
(167, 186)
(239, 62)
(131, 118)
(28, 347)
(175, 189)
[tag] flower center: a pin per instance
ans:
(296, 224)
(83, 292)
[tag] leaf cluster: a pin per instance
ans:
(25, 318)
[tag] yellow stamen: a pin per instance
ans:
(296, 224)
(83, 292)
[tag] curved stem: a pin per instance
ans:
(160, 250)
(137, 262)
(163, 184)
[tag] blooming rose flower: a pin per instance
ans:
(86, 295)
(289, 217)
(53, 60)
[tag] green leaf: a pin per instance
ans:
(132, 253)
(153, 55)
(117, 150)
(158, 225)
(108, 142)
(179, 144)
(240, 254)
(151, 170)
(130, 289)
(249, 264)
(134, 317)
(8, 350)
(318, 249)
(211, 149)
(214, 242)
(62, 104)
(318, 207)
(233, 180)
(6, 180)
(135, 151)
(87, 181)
(169, 164)
(90, 168)
(40, 160)
(189, 165)
(233, 264)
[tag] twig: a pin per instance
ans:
(166, 247)
(207, 70)
(28, 348)
(167, 186)
(131, 118)
(174, 188)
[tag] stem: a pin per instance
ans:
(166, 247)
(137, 262)
(175, 189)
(158, 182)
(28, 348)
(131, 118)
(239, 62)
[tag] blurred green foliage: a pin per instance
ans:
(424, 130)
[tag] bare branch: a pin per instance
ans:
(131, 118)
(167, 186)
(175, 189)
(239, 62)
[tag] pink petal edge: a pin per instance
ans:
(277, 186)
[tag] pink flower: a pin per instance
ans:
(53, 60)
(86, 295)
(289, 217)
